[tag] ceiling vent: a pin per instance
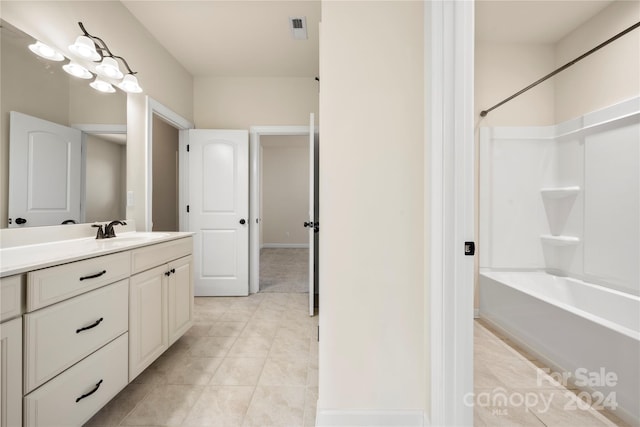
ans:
(298, 25)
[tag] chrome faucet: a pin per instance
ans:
(108, 229)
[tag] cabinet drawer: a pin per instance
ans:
(74, 396)
(11, 296)
(51, 285)
(60, 335)
(151, 256)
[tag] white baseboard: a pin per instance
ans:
(285, 245)
(334, 418)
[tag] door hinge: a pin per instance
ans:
(469, 248)
(187, 208)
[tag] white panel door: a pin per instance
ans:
(44, 172)
(219, 211)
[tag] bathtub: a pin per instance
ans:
(589, 333)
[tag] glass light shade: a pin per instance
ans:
(45, 51)
(85, 48)
(109, 68)
(130, 84)
(102, 86)
(77, 70)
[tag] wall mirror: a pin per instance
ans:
(38, 88)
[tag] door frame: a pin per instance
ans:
(153, 107)
(449, 117)
(255, 132)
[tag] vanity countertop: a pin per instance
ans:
(21, 259)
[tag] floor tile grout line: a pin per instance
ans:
(258, 379)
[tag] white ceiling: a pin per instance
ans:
(252, 37)
(234, 38)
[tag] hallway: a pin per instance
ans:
(284, 270)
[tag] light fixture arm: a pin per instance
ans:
(102, 48)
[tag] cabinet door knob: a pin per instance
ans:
(243, 221)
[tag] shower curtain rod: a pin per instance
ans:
(483, 113)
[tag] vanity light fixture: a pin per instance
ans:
(46, 51)
(91, 56)
(85, 48)
(130, 84)
(109, 68)
(77, 70)
(102, 86)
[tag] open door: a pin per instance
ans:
(44, 173)
(219, 210)
(312, 224)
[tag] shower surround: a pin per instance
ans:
(560, 212)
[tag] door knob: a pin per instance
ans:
(242, 221)
(21, 221)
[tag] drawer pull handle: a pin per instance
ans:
(93, 276)
(90, 326)
(90, 393)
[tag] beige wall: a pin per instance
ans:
(242, 102)
(165, 177)
(160, 75)
(503, 68)
(285, 190)
(105, 191)
(608, 76)
(372, 314)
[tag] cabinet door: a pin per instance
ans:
(147, 319)
(180, 286)
(11, 373)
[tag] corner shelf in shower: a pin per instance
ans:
(560, 192)
(559, 240)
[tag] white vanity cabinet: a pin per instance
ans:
(75, 339)
(11, 307)
(160, 300)
(82, 318)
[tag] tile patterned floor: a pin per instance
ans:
(253, 361)
(502, 369)
(284, 270)
(249, 361)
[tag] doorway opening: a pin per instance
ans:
(286, 137)
(161, 116)
(284, 202)
(165, 172)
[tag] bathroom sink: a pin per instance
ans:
(139, 236)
